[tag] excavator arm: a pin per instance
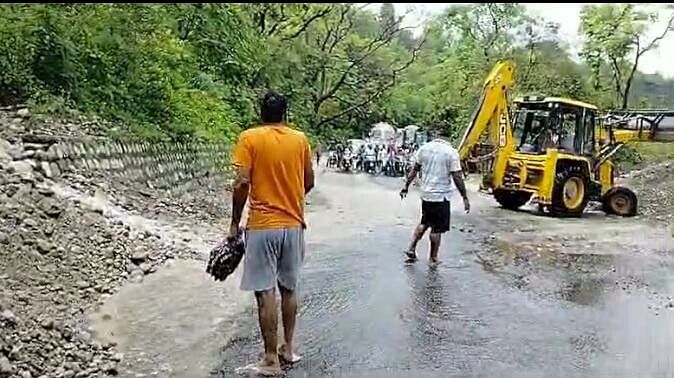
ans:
(627, 126)
(618, 128)
(491, 118)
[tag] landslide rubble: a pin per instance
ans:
(654, 187)
(61, 256)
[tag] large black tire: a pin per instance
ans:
(570, 193)
(620, 201)
(511, 199)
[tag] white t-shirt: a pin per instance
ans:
(438, 159)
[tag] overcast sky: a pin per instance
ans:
(567, 15)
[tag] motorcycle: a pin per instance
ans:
(332, 159)
(347, 162)
(370, 164)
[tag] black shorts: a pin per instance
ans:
(435, 215)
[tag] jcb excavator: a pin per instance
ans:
(556, 150)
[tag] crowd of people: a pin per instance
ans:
(371, 157)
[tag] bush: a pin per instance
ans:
(124, 62)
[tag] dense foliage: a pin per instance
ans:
(197, 70)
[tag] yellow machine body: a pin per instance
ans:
(554, 150)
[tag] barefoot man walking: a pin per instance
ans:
(274, 172)
(440, 165)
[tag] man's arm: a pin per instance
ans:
(460, 184)
(457, 177)
(308, 169)
(411, 176)
(243, 160)
(240, 192)
(416, 168)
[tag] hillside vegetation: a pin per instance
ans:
(196, 70)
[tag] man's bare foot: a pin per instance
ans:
(434, 263)
(264, 367)
(287, 356)
(411, 257)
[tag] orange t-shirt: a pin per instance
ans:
(277, 157)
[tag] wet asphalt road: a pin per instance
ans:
(364, 313)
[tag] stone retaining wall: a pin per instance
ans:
(157, 165)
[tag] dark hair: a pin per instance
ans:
(273, 108)
(437, 132)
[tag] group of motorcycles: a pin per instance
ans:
(382, 160)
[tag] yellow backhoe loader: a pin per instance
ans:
(554, 150)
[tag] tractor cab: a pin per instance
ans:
(542, 123)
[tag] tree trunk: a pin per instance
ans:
(628, 83)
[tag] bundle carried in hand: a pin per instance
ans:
(225, 257)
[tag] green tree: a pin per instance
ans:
(615, 42)
(184, 71)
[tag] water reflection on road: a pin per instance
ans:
(366, 314)
(525, 309)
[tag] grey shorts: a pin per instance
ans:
(272, 256)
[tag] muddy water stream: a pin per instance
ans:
(174, 322)
(548, 303)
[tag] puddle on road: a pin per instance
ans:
(582, 269)
(173, 323)
(585, 292)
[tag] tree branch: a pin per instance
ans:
(531, 62)
(306, 23)
(328, 33)
(281, 20)
(670, 25)
(379, 92)
(628, 83)
(384, 37)
(341, 33)
(495, 34)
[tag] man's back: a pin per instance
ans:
(437, 159)
(277, 156)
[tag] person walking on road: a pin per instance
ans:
(318, 151)
(439, 162)
(275, 173)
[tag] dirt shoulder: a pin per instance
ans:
(654, 186)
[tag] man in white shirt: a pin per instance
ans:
(438, 161)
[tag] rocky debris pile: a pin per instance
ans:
(18, 120)
(654, 187)
(207, 199)
(204, 199)
(60, 258)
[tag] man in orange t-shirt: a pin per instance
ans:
(274, 174)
